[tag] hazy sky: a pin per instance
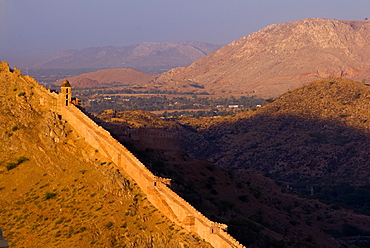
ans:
(63, 24)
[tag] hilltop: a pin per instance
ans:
(109, 78)
(280, 57)
(58, 191)
(149, 57)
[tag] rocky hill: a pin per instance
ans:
(149, 57)
(317, 134)
(57, 191)
(109, 78)
(281, 57)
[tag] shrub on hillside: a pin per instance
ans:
(10, 166)
(49, 195)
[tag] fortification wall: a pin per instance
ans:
(163, 198)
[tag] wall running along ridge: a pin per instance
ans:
(163, 198)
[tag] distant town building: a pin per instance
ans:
(233, 106)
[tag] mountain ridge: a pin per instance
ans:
(149, 57)
(282, 57)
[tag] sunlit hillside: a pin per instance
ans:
(57, 191)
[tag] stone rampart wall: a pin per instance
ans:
(162, 197)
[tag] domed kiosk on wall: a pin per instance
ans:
(65, 93)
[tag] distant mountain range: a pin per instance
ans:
(149, 57)
(281, 57)
(266, 63)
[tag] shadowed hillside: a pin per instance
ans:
(314, 139)
(316, 133)
(258, 212)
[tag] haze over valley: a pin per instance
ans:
(120, 128)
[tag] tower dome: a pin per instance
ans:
(66, 84)
(66, 93)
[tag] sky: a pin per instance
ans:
(45, 26)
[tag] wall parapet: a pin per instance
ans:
(163, 198)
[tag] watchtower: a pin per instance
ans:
(65, 94)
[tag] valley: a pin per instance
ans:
(164, 104)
